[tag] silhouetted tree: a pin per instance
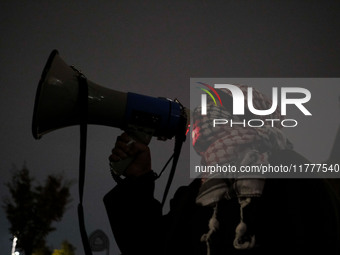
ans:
(32, 209)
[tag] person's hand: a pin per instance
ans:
(141, 163)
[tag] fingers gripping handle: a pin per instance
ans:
(118, 168)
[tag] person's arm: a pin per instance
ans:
(135, 216)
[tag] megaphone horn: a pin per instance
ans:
(58, 104)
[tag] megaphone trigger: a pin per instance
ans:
(130, 142)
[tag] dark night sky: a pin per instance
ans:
(147, 47)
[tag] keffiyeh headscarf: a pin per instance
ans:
(238, 146)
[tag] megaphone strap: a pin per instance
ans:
(83, 94)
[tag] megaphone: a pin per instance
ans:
(65, 98)
(59, 96)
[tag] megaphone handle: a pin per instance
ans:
(118, 168)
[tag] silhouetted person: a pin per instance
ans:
(224, 215)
